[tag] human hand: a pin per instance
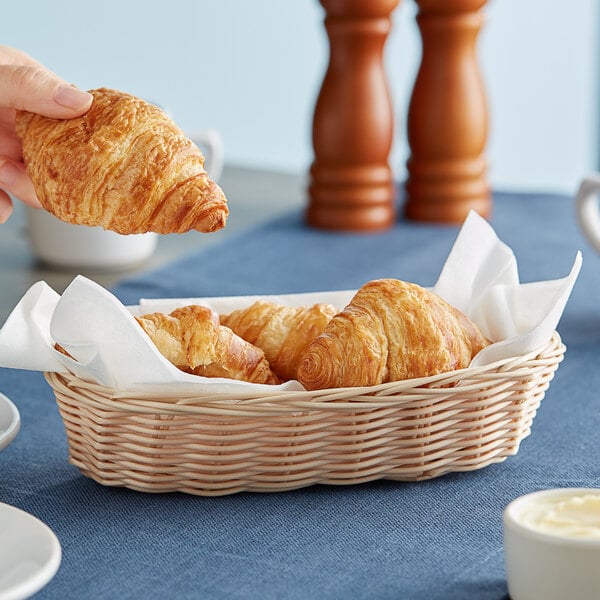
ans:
(27, 85)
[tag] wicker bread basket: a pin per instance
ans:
(207, 445)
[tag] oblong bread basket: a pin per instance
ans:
(215, 445)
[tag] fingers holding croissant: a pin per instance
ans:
(124, 165)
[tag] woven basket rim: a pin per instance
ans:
(440, 385)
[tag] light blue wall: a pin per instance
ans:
(252, 69)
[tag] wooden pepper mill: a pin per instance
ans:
(351, 186)
(447, 117)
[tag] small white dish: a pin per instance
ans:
(10, 421)
(69, 246)
(30, 554)
(552, 545)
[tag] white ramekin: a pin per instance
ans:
(549, 566)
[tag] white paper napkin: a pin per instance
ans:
(481, 279)
(108, 346)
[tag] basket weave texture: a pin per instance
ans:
(215, 445)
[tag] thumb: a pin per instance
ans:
(35, 89)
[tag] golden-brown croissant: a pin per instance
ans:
(124, 165)
(391, 330)
(282, 332)
(193, 340)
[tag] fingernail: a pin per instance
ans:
(8, 173)
(72, 97)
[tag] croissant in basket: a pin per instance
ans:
(282, 332)
(390, 331)
(124, 165)
(193, 340)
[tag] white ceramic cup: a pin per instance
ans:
(64, 245)
(587, 208)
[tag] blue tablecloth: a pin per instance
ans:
(438, 539)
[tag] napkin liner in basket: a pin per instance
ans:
(479, 277)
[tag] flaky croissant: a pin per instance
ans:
(124, 165)
(193, 340)
(390, 331)
(282, 332)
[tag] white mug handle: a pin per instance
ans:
(210, 143)
(588, 209)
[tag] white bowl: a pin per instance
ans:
(61, 244)
(552, 545)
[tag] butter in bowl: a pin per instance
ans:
(552, 545)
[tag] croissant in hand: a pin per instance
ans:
(390, 331)
(192, 339)
(282, 332)
(124, 165)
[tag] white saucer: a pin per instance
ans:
(30, 554)
(10, 421)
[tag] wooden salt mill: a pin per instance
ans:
(351, 186)
(447, 117)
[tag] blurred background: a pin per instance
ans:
(252, 70)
